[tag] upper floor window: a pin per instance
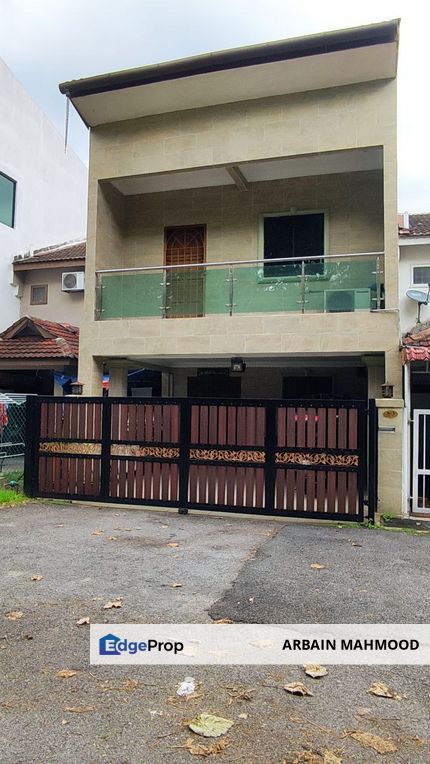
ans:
(294, 236)
(39, 294)
(7, 200)
(420, 275)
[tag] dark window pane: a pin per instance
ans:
(293, 236)
(7, 200)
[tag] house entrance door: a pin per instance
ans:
(185, 286)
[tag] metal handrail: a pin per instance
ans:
(229, 263)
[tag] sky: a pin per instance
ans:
(45, 42)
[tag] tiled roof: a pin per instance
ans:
(36, 338)
(419, 225)
(75, 251)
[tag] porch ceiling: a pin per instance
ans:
(252, 361)
(328, 163)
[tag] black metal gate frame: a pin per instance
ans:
(367, 469)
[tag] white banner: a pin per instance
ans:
(259, 644)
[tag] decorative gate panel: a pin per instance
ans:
(287, 458)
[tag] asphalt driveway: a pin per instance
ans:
(245, 570)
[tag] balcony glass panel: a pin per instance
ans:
(330, 285)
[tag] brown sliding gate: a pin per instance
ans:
(281, 457)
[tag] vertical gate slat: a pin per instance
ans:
(167, 430)
(341, 492)
(290, 490)
(300, 490)
(282, 422)
(64, 480)
(240, 485)
(87, 477)
(82, 409)
(131, 435)
(211, 472)
(204, 416)
(249, 486)
(353, 429)
(250, 425)
(139, 480)
(213, 425)
(96, 476)
(174, 423)
(352, 493)
(157, 423)
(280, 489)
(321, 491)
(202, 483)
(115, 422)
(66, 420)
(113, 478)
(342, 428)
(131, 465)
(291, 427)
(149, 424)
(231, 426)
(195, 418)
(310, 490)
(174, 496)
(321, 429)
(241, 426)
(260, 426)
(331, 492)
(221, 481)
(311, 430)
(140, 422)
(122, 478)
(79, 476)
(89, 434)
(165, 481)
(156, 475)
(147, 481)
(301, 427)
(51, 420)
(331, 428)
(74, 413)
(192, 482)
(98, 421)
(259, 488)
(43, 420)
(230, 480)
(222, 425)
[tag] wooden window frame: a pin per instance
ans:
(38, 286)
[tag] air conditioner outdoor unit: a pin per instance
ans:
(73, 282)
(346, 300)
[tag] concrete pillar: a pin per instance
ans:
(58, 390)
(90, 373)
(390, 456)
(118, 377)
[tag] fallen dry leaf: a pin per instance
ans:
(115, 603)
(175, 585)
(112, 538)
(379, 744)
(209, 725)
(224, 620)
(64, 721)
(328, 756)
(97, 533)
(355, 543)
(36, 578)
(78, 709)
(297, 688)
(243, 716)
(66, 673)
(27, 636)
(82, 621)
(318, 566)
(205, 749)
(315, 670)
(14, 615)
(382, 691)
(172, 543)
(331, 757)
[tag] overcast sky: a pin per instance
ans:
(45, 42)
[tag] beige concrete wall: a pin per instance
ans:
(61, 306)
(353, 203)
(390, 466)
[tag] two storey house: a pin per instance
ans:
(242, 232)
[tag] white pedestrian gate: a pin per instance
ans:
(421, 462)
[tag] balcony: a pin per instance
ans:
(329, 284)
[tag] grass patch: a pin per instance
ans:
(9, 496)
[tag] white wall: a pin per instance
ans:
(415, 253)
(51, 190)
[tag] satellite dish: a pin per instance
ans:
(419, 297)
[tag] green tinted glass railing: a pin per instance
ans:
(325, 285)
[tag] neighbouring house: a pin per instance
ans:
(43, 188)
(51, 283)
(38, 357)
(242, 232)
(414, 294)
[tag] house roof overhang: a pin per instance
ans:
(330, 59)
